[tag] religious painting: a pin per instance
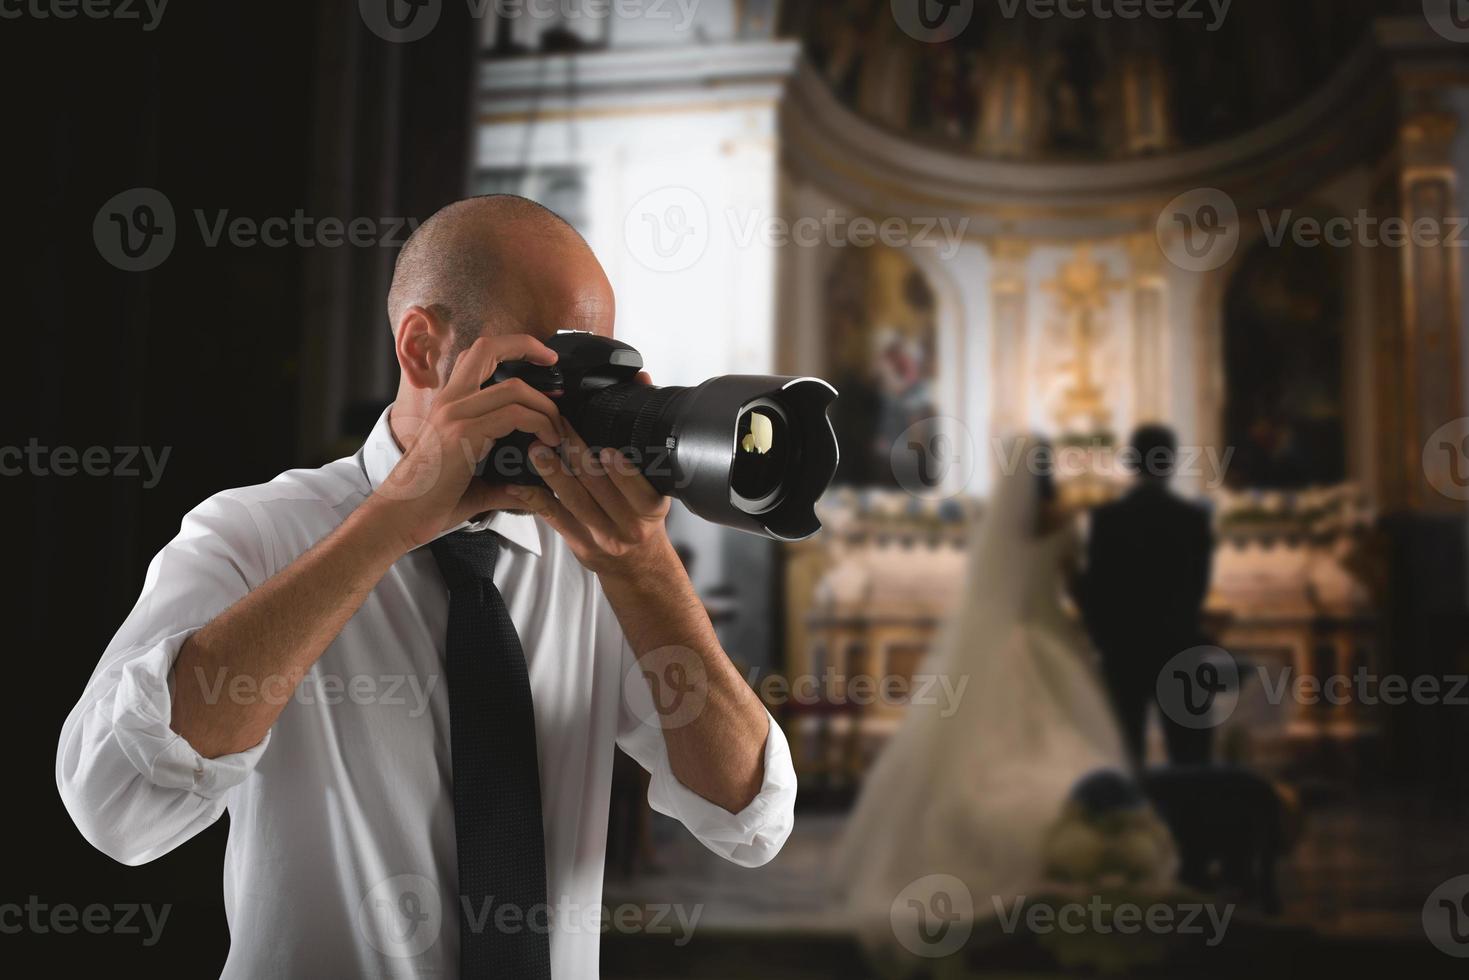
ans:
(1283, 368)
(880, 330)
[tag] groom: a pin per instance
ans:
(1148, 559)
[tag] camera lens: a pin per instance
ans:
(763, 453)
(752, 452)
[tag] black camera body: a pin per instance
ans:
(752, 452)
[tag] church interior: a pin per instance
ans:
(982, 221)
(1044, 172)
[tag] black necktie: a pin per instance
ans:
(497, 784)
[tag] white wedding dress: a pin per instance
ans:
(973, 795)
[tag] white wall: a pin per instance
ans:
(708, 307)
(620, 23)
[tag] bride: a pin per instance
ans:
(974, 795)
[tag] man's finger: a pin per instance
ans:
(629, 481)
(512, 392)
(522, 347)
(510, 418)
(590, 471)
(570, 492)
(472, 366)
(475, 365)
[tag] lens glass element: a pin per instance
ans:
(763, 454)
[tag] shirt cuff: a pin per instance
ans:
(754, 835)
(140, 721)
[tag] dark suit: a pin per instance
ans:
(1148, 560)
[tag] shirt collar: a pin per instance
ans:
(381, 453)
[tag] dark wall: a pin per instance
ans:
(238, 362)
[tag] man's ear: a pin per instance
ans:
(420, 343)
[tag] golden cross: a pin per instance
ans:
(1083, 289)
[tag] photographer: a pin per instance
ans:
(366, 839)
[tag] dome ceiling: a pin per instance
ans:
(1080, 89)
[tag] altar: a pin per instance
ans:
(1038, 228)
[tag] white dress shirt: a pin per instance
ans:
(341, 856)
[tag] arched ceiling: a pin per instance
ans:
(1014, 86)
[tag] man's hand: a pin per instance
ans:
(433, 487)
(613, 521)
(600, 503)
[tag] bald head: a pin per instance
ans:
(500, 264)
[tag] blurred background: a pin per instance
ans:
(976, 218)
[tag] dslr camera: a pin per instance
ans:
(751, 452)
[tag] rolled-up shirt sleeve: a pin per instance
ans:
(749, 838)
(135, 788)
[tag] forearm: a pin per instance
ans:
(264, 644)
(719, 754)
